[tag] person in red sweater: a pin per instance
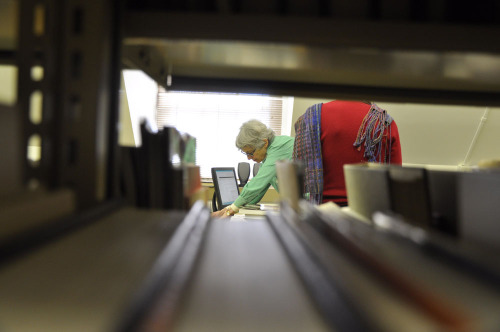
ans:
(346, 132)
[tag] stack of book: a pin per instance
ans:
(161, 172)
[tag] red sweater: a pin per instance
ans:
(340, 121)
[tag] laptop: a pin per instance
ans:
(226, 186)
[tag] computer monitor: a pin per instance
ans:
(226, 186)
(408, 187)
(443, 191)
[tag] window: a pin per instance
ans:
(214, 119)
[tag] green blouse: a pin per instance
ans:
(281, 148)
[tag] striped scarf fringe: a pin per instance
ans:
(375, 124)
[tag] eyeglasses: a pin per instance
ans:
(249, 154)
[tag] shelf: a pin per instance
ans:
(316, 57)
(85, 280)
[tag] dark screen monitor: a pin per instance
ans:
(410, 197)
(443, 191)
(225, 186)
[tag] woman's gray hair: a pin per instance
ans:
(252, 133)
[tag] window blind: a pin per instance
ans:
(214, 120)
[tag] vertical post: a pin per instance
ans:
(37, 57)
(77, 44)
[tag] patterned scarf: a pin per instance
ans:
(307, 149)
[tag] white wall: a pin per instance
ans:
(438, 134)
(126, 133)
(141, 92)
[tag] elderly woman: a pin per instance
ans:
(260, 144)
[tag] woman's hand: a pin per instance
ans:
(224, 213)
